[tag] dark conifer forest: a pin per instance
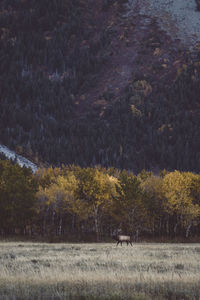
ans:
(58, 103)
(108, 107)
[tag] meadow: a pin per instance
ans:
(99, 271)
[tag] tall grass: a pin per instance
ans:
(99, 271)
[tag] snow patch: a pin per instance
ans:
(22, 161)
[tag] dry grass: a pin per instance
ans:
(99, 271)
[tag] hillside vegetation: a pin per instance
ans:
(64, 100)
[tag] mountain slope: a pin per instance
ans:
(84, 82)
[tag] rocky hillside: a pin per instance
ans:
(98, 82)
(180, 18)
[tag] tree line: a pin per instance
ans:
(90, 203)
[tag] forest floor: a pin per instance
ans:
(99, 271)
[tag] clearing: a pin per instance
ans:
(99, 271)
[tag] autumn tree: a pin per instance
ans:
(95, 193)
(182, 194)
(56, 198)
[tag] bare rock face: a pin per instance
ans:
(22, 161)
(179, 18)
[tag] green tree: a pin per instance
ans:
(153, 199)
(128, 209)
(18, 189)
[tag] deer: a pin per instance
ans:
(121, 238)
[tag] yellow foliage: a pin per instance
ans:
(143, 87)
(179, 191)
(157, 52)
(135, 111)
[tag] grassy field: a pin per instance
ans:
(99, 271)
